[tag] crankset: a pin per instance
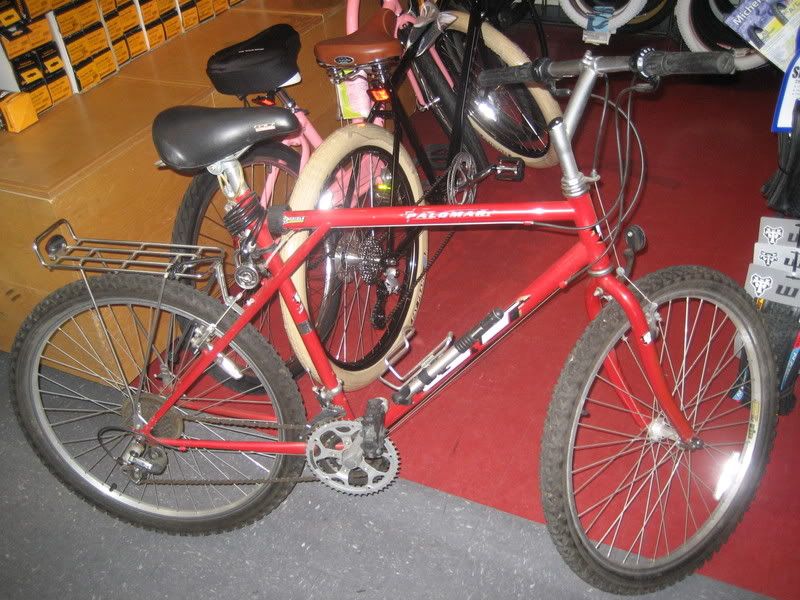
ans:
(336, 455)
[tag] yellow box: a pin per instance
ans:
(50, 58)
(189, 16)
(96, 40)
(18, 111)
(69, 20)
(76, 48)
(58, 86)
(220, 6)
(155, 34)
(35, 8)
(137, 43)
(128, 16)
(104, 64)
(17, 46)
(114, 25)
(40, 96)
(40, 33)
(107, 6)
(165, 6)
(121, 52)
(88, 14)
(59, 3)
(27, 69)
(172, 24)
(9, 15)
(86, 75)
(149, 10)
(205, 9)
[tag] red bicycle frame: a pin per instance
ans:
(589, 251)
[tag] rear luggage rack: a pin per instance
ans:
(59, 248)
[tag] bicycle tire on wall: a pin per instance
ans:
(578, 12)
(512, 55)
(585, 403)
(310, 186)
(654, 12)
(702, 31)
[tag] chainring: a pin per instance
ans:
(335, 456)
(460, 178)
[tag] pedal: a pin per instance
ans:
(509, 169)
(372, 428)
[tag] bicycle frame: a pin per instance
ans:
(589, 251)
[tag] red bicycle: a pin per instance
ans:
(660, 424)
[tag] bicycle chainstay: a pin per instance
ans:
(238, 423)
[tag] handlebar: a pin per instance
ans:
(648, 63)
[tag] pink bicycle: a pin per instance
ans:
(512, 118)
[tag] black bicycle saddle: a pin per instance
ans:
(264, 63)
(193, 137)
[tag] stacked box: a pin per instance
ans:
(10, 14)
(189, 16)
(85, 40)
(220, 6)
(205, 9)
(37, 35)
(172, 24)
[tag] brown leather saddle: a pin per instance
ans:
(373, 41)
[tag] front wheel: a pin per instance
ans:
(362, 287)
(629, 509)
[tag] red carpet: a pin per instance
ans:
(709, 150)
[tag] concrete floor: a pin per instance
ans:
(407, 542)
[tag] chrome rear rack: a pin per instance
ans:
(58, 247)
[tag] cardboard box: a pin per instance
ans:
(114, 25)
(137, 43)
(88, 13)
(220, 6)
(37, 35)
(58, 85)
(189, 16)
(50, 58)
(155, 33)
(34, 8)
(76, 48)
(165, 6)
(69, 20)
(40, 95)
(121, 52)
(172, 24)
(96, 40)
(104, 63)
(107, 6)
(9, 15)
(17, 111)
(128, 16)
(27, 69)
(205, 9)
(149, 9)
(86, 74)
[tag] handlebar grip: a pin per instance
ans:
(655, 64)
(507, 75)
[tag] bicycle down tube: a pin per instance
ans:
(589, 251)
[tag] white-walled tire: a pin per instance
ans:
(578, 12)
(345, 265)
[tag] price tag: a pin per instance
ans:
(598, 25)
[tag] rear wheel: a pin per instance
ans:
(629, 509)
(364, 287)
(81, 359)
